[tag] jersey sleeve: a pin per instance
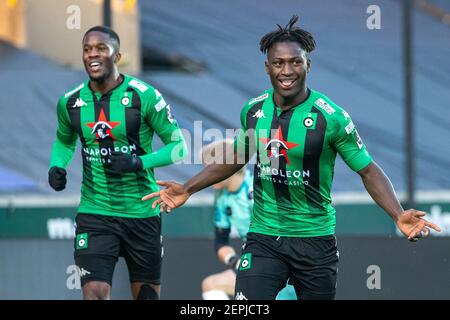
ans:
(243, 140)
(65, 142)
(158, 116)
(348, 143)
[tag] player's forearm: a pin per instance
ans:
(212, 174)
(62, 153)
(172, 152)
(381, 190)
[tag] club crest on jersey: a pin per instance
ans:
(102, 128)
(125, 101)
(277, 147)
(310, 121)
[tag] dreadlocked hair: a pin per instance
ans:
(288, 33)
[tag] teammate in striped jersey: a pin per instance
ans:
(115, 117)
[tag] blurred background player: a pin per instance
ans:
(233, 204)
(114, 116)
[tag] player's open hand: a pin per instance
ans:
(413, 226)
(170, 198)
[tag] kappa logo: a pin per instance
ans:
(277, 146)
(259, 114)
(79, 103)
(102, 128)
(84, 272)
(240, 296)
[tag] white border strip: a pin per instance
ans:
(340, 198)
(38, 201)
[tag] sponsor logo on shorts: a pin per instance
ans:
(246, 262)
(82, 241)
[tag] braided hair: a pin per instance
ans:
(288, 33)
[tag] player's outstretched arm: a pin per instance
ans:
(176, 194)
(410, 222)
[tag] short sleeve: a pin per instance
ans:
(348, 143)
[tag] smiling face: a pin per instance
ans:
(287, 66)
(100, 55)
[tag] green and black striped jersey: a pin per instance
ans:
(295, 157)
(122, 120)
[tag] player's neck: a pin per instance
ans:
(114, 80)
(285, 103)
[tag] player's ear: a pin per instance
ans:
(117, 57)
(266, 66)
(308, 65)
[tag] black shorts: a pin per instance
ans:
(267, 262)
(100, 240)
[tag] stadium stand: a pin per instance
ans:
(360, 69)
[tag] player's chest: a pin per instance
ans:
(290, 135)
(111, 117)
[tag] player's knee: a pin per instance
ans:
(208, 284)
(95, 290)
(146, 292)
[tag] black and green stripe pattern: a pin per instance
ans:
(296, 151)
(124, 119)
